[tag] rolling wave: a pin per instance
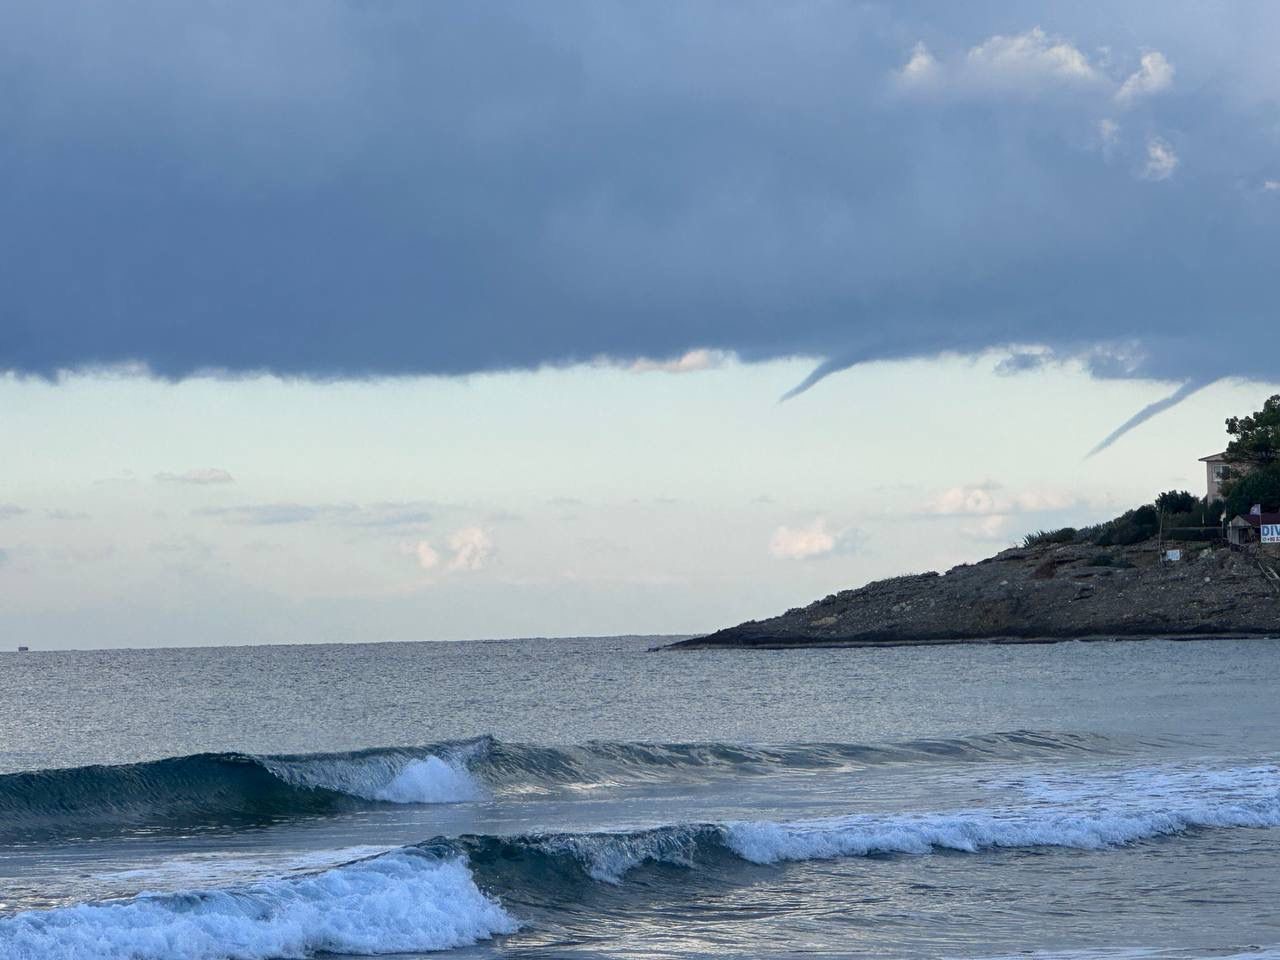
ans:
(400, 902)
(1110, 811)
(524, 766)
(446, 893)
(219, 790)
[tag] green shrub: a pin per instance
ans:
(1133, 526)
(1183, 514)
(1176, 501)
(1090, 534)
(1261, 485)
(1041, 537)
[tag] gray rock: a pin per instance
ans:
(1036, 595)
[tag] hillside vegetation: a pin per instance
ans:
(1175, 515)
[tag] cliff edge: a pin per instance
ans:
(1038, 594)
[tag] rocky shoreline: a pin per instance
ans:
(1042, 594)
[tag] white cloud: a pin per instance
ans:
(1029, 58)
(963, 500)
(992, 527)
(1271, 186)
(800, 544)
(1030, 64)
(1020, 64)
(921, 69)
(814, 540)
(1153, 76)
(424, 553)
(472, 547)
(201, 476)
(989, 499)
(1162, 161)
(691, 361)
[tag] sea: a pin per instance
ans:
(589, 798)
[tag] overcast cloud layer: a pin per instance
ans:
(351, 189)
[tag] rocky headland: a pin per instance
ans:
(1039, 594)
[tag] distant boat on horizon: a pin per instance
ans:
(23, 649)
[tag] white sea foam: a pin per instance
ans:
(1116, 810)
(391, 779)
(430, 781)
(1087, 813)
(398, 903)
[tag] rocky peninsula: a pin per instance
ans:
(1039, 594)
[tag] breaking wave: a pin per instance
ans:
(387, 776)
(1155, 805)
(401, 902)
(446, 893)
(218, 790)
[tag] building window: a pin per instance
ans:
(1219, 472)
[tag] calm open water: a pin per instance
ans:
(585, 798)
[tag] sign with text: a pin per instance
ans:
(1271, 533)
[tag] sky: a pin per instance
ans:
(409, 321)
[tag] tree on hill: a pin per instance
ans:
(1253, 477)
(1256, 437)
(1177, 501)
(1256, 448)
(1260, 486)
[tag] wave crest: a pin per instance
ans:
(384, 776)
(213, 790)
(432, 896)
(1100, 813)
(401, 902)
(229, 789)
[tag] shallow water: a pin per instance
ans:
(590, 799)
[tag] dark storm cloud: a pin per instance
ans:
(352, 189)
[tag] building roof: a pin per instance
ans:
(1256, 519)
(1214, 457)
